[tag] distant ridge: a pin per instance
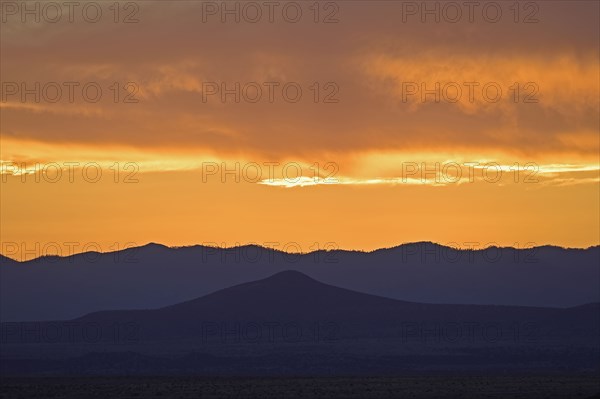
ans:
(160, 247)
(155, 275)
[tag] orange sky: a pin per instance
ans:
(344, 167)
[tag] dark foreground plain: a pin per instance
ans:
(430, 386)
(290, 336)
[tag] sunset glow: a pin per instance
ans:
(404, 131)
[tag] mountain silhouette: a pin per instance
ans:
(287, 295)
(154, 276)
(293, 321)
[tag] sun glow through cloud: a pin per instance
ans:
(393, 124)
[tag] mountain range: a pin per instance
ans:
(154, 276)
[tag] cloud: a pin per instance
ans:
(365, 58)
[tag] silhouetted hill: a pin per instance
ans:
(291, 296)
(288, 295)
(154, 275)
(4, 260)
(294, 322)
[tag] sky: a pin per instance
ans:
(298, 125)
